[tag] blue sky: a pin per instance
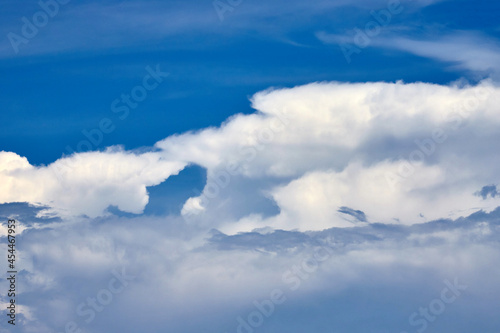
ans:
(208, 147)
(66, 77)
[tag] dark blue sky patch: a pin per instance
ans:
(359, 215)
(24, 212)
(487, 191)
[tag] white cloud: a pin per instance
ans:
(393, 151)
(413, 152)
(312, 202)
(85, 183)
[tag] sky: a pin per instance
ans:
(250, 166)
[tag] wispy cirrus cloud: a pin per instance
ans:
(122, 25)
(468, 51)
(464, 50)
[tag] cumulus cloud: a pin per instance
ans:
(394, 151)
(312, 202)
(85, 183)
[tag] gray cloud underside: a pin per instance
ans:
(190, 284)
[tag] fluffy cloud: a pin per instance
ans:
(85, 183)
(393, 151)
(325, 125)
(314, 201)
(409, 152)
